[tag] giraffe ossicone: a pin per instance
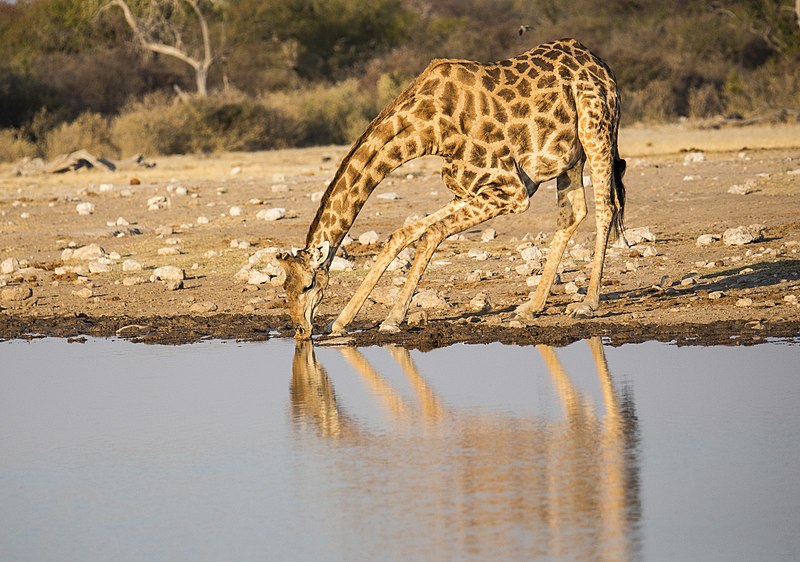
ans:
(501, 129)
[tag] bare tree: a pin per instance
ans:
(156, 31)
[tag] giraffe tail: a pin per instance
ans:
(618, 197)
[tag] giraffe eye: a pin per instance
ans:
(310, 286)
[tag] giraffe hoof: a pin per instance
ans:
(389, 328)
(580, 310)
(333, 330)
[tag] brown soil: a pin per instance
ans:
(678, 202)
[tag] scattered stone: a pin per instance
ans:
(169, 273)
(341, 264)
(639, 235)
(707, 239)
(9, 265)
(280, 188)
(529, 268)
(256, 277)
(456, 238)
(180, 190)
(488, 235)
(531, 254)
(418, 318)
(235, 171)
(389, 196)
(202, 220)
(691, 178)
(744, 302)
(163, 231)
(369, 237)
(428, 298)
(386, 296)
(571, 288)
(317, 196)
(743, 189)
(715, 295)
(85, 208)
(630, 266)
(235, 211)
(84, 293)
(131, 281)
(174, 285)
(157, 202)
(99, 267)
(647, 251)
(131, 265)
(790, 299)
(579, 252)
(84, 253)
(694, 157)
(742, 235)
(237, 244)
(478, 254)
(18, 293)
(274, 214)
(203, 307)
(533, 280)
(169, 251)
(475, 276)
(104, 187)
(688, 281)
(480, 303)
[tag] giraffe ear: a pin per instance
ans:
(319, 254)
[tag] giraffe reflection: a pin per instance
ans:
(525, 487)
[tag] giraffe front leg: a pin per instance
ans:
(399, 239)
(571, 211)
(489, 203)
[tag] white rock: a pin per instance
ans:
(743, 189)
(715, 295)
(181, 190)
(24, 215)
(639, 235)
(707, 239)
(742, 235)
(235, 211)
(131, 281)
(531, 253)
(386, 296)
(237, 244)
(341, 264)
(478, 254)
(131, 265)
(571, 288)
(427, 299)
(263, 255)
(648, 251)
(744, 302)
(85, 208)
(105, 187)
(98, 267)
(256, 277)
(579, 252)
(790, 299)
(9, 265)
(84, 253)
(389, 196)
(368, 237)
(169, 273)
(533, 280)
(164, 231)
(236, 170)
(317, 196)
(84, 293)
(202, 220)
(203, 307)
(488, 235)
(480, 303)
(694, 157)
(157, 202)
(274, 214)
(169, 251)
(347, 240)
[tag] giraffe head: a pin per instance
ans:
(306, 281)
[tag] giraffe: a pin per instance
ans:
(501, 129)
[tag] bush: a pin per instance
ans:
(13, 146)
(90, 131)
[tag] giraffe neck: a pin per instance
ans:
(388, 142)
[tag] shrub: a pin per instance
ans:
(90, 131)
(14, 147)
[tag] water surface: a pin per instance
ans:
(113, 450)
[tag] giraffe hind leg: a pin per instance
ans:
(571, 211)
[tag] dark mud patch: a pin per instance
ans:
(173, 330)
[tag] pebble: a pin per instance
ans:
(714, 295)
(85, 208)
(235, 211)
(429, 298)
(280, 188)
(743, 189)
(169, 273)
(571, 288)
(169, 251)
(533, 280)
(707, 239)
(236, 170)
(203, 307)
(317, 196)
(694, 157)
(202, 220)
(9, 265)
(99, 267)
(236, 244)
(274, 214)
(157, 202)
(790, 299)
(742, 235)
(479, 255)
(131, 265)
(531, 254)
(579, 252)
(18, 293)
(368, 237)
(480, 303)
(84, 293)
(488, 235)
(84, 253)
(639, 235)
(744, 302)
(386, 296)
(174, 285)
(256, 277)
(341, 264)
(389, 196)
(418, 318)
(164, 231)
(130, 281)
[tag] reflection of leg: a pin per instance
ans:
(571, 211)
(489, 203)
(567, 393)
(431, 406)
(393, 402)
(393, 246)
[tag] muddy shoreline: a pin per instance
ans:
(468, 330)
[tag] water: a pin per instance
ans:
(223, 451)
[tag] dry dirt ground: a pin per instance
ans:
(685, 292)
